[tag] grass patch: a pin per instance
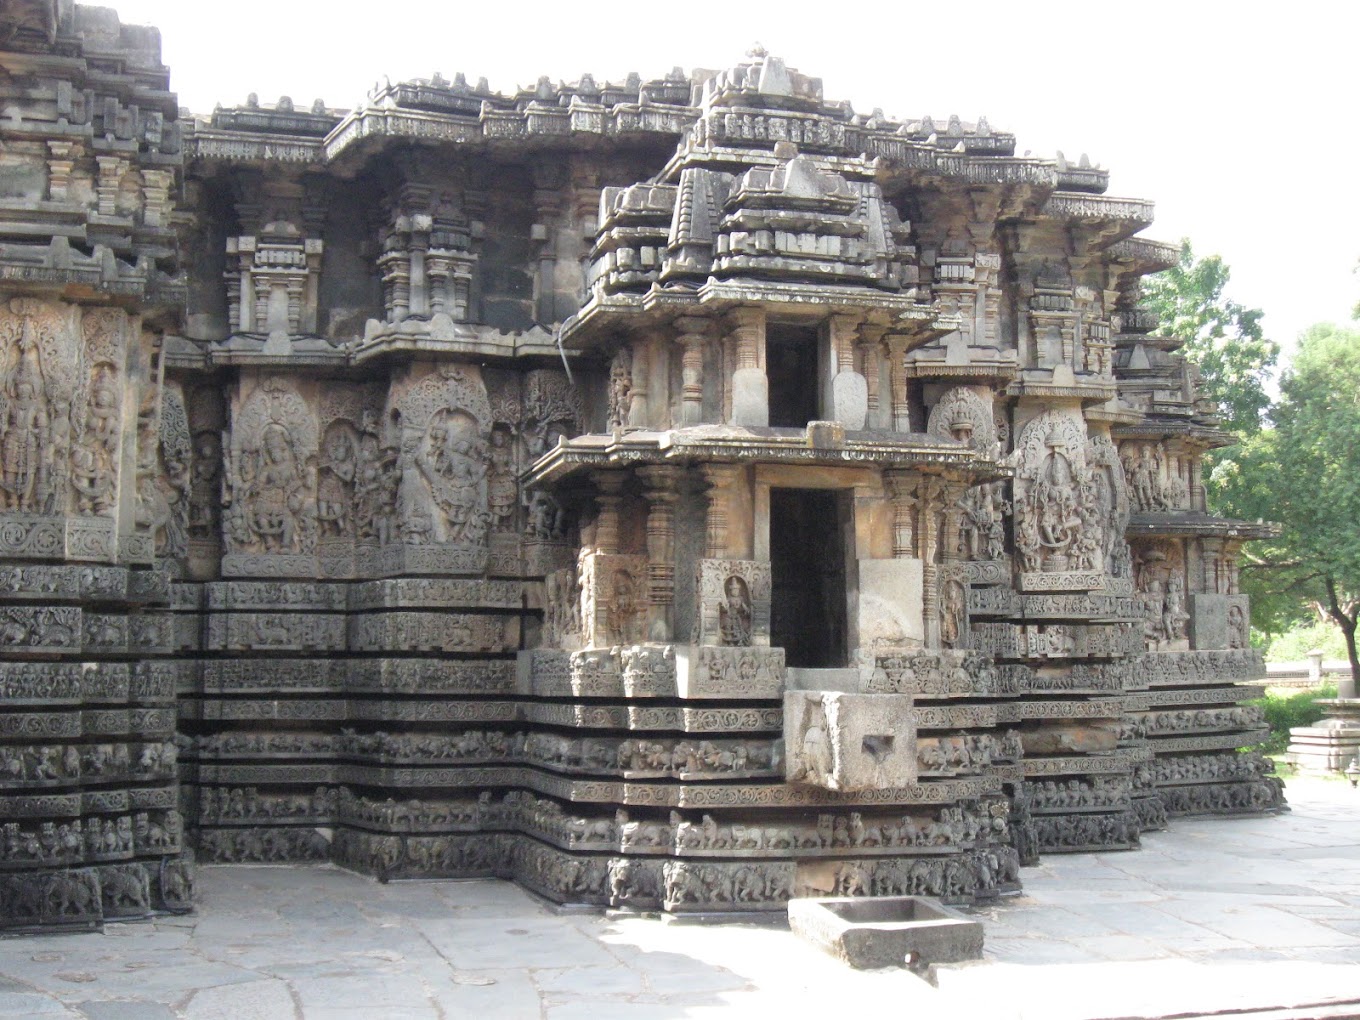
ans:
(1284, 711)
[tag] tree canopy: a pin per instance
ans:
(1304, 471)
(1223, 339)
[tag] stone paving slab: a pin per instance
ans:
(1257, 916)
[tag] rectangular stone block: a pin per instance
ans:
(613, 599)
(849, 742)
(1219, 621)
(887, 931)
(710, 671)
(890, 603)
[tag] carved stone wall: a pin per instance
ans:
(380, 486)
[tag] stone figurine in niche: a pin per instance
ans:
(205, 495)
(624, 608)
(26, 425)
(276, 493)
(1238, 631)
(163, 471)
(335, 488)
(953, 614)
(620, 388)
(452, 464)
(93, 458)
(547, 519)
(735, 612)
(375, 486)
(502, 492)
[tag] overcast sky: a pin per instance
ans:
(1239, 120)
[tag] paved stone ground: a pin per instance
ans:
(1242, 915)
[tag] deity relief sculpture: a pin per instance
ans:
(452, 463)
(953, 614)
(502, 491)
(270, 474)
(335, 485)
(94, 457)
(1154, 479)
(163, 472)
(735, 614)
(375, 486)
(1063, 507)
(620, 388)
(982, 524)
(205, 487)
(1160, 595)
(25, 426)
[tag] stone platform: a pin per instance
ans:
(1255, 916)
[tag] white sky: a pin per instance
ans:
(1239, 120)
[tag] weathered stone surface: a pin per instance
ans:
(294, 452)
(887, 931)
(849, 742)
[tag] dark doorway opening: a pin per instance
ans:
(791, 368)
(807, 564)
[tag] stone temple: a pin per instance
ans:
(682, 493)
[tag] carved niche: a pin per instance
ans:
(1160, 594)
(442, 497)
(1110, 505)
(164, 481)
(551, 410)
(1063, 507)
(965, 415)
(734, 603)
(270, 471)
(1158, 481)
(613, 599)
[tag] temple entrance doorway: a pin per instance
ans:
(807, 563)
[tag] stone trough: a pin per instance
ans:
(887, 931)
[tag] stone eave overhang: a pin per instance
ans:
(225, 146)
(1190, 432)
(1110, 220)
(412, 339)
(1087, 389)
(1156, 341)
(1142, 255)
(604, 313)
(1001, 369)
(731, 444)
(889, 156)
(571, 128)
(1195, 524)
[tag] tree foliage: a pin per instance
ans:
(1223, 339)
(1304, 471)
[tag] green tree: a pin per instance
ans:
(1304, 471)
(1223, 339)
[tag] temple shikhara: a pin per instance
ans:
(684, 493)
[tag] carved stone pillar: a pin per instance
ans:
(609, 496)
(870, 345)
(903, 487)
(661, 489)
(897, 381)
(750, 387)
(59, 166)
(692, 338)
(846, 398)
(417, 283)
(637, 393)
(934, 493)
(719, 478)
